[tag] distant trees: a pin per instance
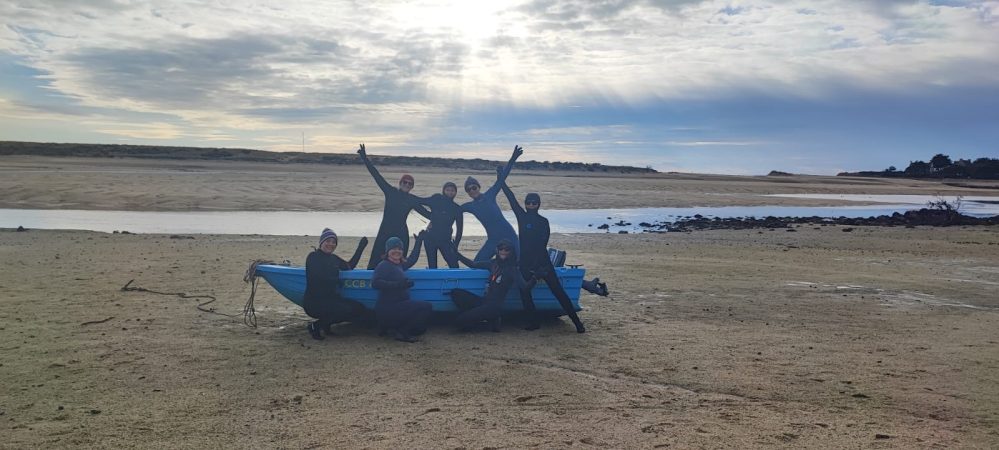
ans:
(940, 166)
(939, 161)
(918, 169)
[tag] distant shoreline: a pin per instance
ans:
(10, 148)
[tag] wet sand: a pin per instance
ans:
(142, 185)
(879, 337)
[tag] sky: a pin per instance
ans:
(733, 87)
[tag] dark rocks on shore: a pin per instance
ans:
(21, 228)
(922, 217)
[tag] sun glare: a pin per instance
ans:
(473, 21)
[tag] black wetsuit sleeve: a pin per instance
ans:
(357, 254)
(458, 225)
(473, 264)
(379, 179)
(517, 209)
(417, 204)
(501, 178)
(415, 254)
(313, 274)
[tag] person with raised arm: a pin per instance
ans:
(323, 301)
(444, 213)
(503, 275)
(398, 203)
(395, 311)
(484, 207)
(534, 233)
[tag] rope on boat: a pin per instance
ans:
(249, 312)
(201, 306)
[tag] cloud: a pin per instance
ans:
(573, 74)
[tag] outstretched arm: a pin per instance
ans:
(357, 253)
(503, 173)
(417, 204)
(415, 254)
(379, 179)
(470, 263)
(517, 151)
(517, 209)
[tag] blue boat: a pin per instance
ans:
(431, 285)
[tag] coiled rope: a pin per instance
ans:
(249, 312)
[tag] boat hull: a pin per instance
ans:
(430, 285)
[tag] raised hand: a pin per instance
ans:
(363, 242)
(517, 151)
(361, 151)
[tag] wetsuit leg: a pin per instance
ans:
(528, 301)
(419, 317)
(488, 310)
(378, 249)
(409, 317)
(563, 299)
(488, 248)
(430, 249)
(334, 311)
(465, 300)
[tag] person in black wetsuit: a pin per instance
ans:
(444, 213)
(398, 203)
(395, 311)
(503, 274)
(534, 232)
(322, 282)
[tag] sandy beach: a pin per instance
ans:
(817, 338)
(145, 185)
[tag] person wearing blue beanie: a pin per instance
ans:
(323, 301)
(484, 207)
(395, 311)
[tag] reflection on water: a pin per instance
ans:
(366, 223)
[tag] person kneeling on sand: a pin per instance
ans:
(503, 274)
(396, 312)
(323, 301)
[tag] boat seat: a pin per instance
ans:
(557, 256)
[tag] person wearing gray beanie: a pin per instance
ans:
(322, 300)
(484, 207)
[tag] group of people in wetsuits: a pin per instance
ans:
(513, 259)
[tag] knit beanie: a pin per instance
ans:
(327, 234)
(532, 198)
(407, 177)
(393, 242)
(449, 184)
(470, 181)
